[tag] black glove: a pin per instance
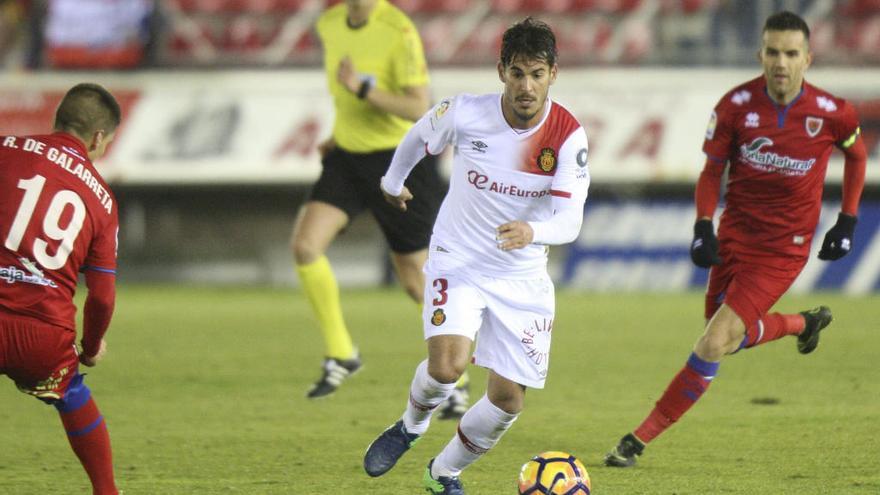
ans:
(704, 249)
(838, 240)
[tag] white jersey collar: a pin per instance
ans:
(524, 132)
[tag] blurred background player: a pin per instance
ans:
(11, 17)
(59, 218)
(776, 132)
(378, 78)
(521, 190)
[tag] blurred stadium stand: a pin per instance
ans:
(466, 32)
(96, 34)
(278, 33)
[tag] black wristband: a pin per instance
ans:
(847, 221)
(366, 86)
(704, 228)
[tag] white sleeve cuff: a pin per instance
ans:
(563, 227)
(390, 187)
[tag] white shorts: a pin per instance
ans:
(511, 320)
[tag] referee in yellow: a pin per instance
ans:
(378, 78)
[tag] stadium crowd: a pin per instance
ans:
(278, 33)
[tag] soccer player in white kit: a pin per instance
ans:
(518, 184)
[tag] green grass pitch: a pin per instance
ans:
(203, 391)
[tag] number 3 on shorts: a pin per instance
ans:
(440, 285)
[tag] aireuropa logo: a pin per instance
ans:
(477, 179)
(483, 182)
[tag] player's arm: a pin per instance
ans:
(568, 192)
(838, 240)
(708, 189)
(99, 270)
(410, 104)
(704, 248)
(97, 312)
(409, 152)
(854, 166)
(430, 134)
(720, 137)
(561, 228)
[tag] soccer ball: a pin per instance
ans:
(554, 473)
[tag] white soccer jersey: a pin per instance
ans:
(500, 174)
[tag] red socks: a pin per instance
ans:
(772, 326)
(692, 381)
(685, 389)
(90, 440)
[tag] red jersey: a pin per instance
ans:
(778, 157)
(57, 218)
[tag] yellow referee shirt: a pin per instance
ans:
(388, 48)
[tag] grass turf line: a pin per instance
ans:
(203, 392)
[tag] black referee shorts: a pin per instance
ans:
(350, 182)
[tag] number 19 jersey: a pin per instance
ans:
(57, 218)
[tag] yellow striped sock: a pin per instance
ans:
(319, 284)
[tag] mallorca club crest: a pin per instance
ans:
(547, 159)
(438, 318)
(813, 125)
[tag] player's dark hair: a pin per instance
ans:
(530, 38)
(86, 109)
(787, 21)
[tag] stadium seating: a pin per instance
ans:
(441, 7)
(466, 32)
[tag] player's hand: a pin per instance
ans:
(838, 239)
(398, 201)
(514, 235)
(326, 146)
(704, 248)
(347, 76)
(93, 360)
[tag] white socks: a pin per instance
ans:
(425, 394)
(479, 430)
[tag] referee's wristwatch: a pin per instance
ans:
(367, 83)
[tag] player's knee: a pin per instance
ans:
(77, 395)
(304, 251)
(713, 346)
(446, 371)
(509, 403)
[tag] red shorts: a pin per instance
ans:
(40, 358)
(750, 287)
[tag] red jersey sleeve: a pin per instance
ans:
(98, 310)
(102, 252)
(720, 134)
(708, 189)
(846, 135)
(846, 126)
